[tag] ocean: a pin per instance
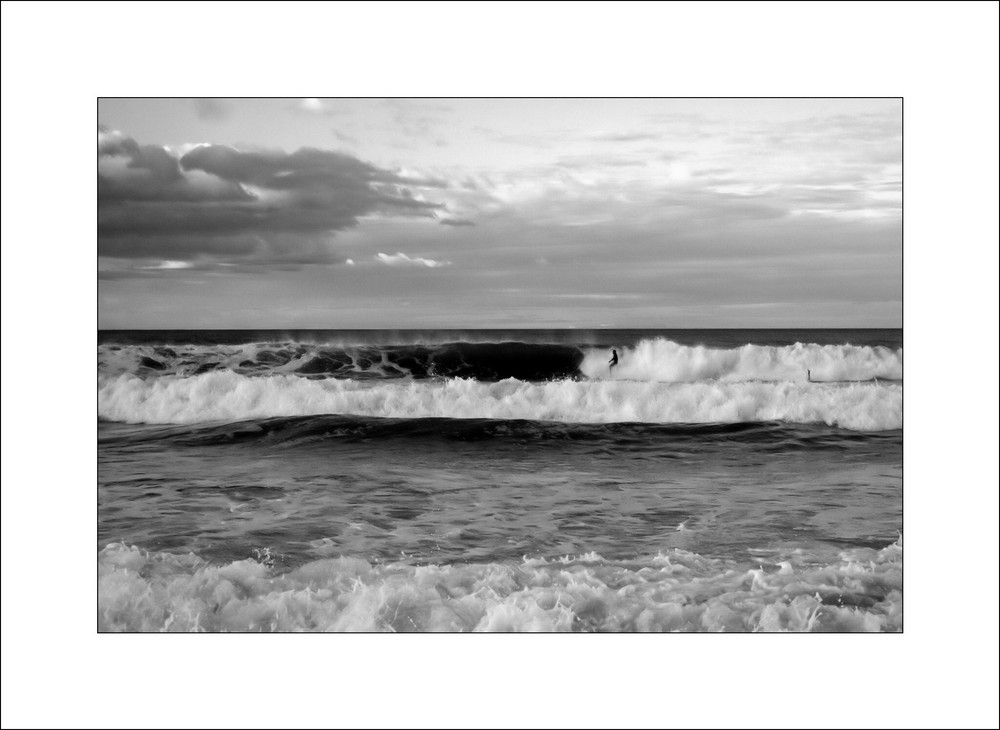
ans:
(500, 480)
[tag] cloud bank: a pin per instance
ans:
(248, 205)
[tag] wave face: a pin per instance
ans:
(229, 396)
(657, 380)
(477, 361)
(649, 360)
(854, 590)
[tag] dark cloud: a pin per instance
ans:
(455, 222)
(278, 170)
(142, 245)
(218, 201)
(128, 171)
(111, 142)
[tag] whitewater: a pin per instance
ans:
(228, 396)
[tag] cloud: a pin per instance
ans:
(128, 171)
(627, 137)
(598, 297)
(401, 259)
(213, 109)
(113, 142)
(224, 202)
(345, 138)
(314, 106)
(455, 222)
(598, 162)
(421, 120)
(168, 265)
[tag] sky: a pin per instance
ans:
(344, 213)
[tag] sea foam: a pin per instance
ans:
(855, 590)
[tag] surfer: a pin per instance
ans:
(809, 375)
(613, 361)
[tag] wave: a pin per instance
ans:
(651, 360)
(480, 361)
(853, 590)
(229, 396)
(662, 439)
(666, 361)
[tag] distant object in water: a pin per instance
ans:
(873, 379)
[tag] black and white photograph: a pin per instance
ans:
(500, 364)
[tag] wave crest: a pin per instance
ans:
(666, 361)
(228, 396)
(651, 360)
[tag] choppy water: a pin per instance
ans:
(500, 481)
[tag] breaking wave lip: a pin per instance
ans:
(652, 360)
(666, 361)
(227, 396)
(853, 590)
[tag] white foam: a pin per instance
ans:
(859, 590)
(666, 361)
(228, 396)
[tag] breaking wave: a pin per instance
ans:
(666, 361)
(651, 360)
(228, 396)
